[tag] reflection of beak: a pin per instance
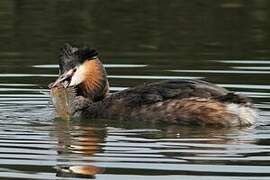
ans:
(63, 80)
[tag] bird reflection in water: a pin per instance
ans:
(76, 145)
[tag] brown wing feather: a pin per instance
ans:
(196, 111)
(178, 101)
(164, 90)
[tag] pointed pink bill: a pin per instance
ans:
(63, 80)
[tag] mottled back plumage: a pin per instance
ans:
(182, 102)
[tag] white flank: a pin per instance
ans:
(246, 115)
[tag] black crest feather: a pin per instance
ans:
(72, 56)
(86, 54)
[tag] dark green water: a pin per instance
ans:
(225, 42)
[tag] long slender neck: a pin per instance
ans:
(96, 85)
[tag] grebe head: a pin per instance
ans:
(82, 69)
(73, 65)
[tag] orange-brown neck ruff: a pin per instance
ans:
(95, 86)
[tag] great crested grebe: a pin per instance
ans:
(182, 102)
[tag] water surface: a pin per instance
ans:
(225, 42)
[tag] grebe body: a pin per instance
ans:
(181, 102)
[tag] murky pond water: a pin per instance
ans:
(225, 42)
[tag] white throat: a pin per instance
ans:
(79, 76)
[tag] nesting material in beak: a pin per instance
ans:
(62, 99)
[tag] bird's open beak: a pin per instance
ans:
(63, 80)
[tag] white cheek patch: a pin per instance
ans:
(78, 77)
